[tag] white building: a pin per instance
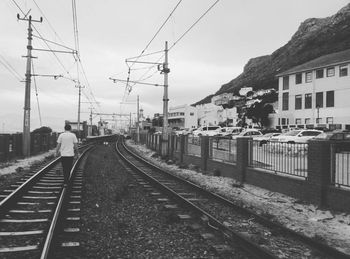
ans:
(316, 93)
(183, 116)
(210, 114)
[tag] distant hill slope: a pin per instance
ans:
(314, 37)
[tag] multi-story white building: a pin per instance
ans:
(183, 116)
(210, 114)
(316, 93)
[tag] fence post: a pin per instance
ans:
(242, 157)
(319, 170)
(204, 152)
(182, 147)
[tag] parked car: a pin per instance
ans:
(297, 136)
(248, 133)
(266, 137)
(207, 131)
(227, 132)
(338, 135)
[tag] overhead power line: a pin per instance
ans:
(160, 28)
(194, 24)
(47, 20)
(36, 94)
(10, 68)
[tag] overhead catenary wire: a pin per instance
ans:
(36, 94)
(47, 45)
(127, 87)
(48, 22)
(179, 39)
(194, 24)
(159, 29)
(10, 68)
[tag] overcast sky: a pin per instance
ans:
(110, 31)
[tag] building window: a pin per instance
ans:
(319, 73)
(297, 121)
(330, 71)
(191, 113)
(298, 78)
(343, 70)
(308, 101)
(318, 120)
(284, 121)
(279, 121)
(285, 82)
(319, 100)
(298, 102)
(329, 120)
(285, 101)
(307, 120)
(330, 99)
(308, 77)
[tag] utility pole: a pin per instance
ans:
(166, 71)
(90, 128)
(138, 121)
(26, 119)
(130, 125)
(79, 86)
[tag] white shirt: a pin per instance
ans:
(67, 140)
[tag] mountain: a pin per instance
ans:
(315, 37)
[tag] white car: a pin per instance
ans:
(266, 137)
(229, 131)
(207, 131)
(248, 133)
(297, 136)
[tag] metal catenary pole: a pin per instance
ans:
(166, 70)
(138, 120)
(26, 119)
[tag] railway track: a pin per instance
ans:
(257, 235)
(36, 207)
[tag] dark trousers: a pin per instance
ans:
(67, 164)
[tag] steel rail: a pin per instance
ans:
(23, 187)
(58, 211)
(309, 241)
(250, 247)
(6, 202)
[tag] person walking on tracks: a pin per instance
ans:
(67, 146)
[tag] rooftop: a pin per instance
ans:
(323, 61)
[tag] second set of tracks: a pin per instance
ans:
(39, 211)
(257, 236)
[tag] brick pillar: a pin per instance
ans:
(242, 158)
(204, 152)
(319, 171)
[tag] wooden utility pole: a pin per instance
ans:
(28, 75)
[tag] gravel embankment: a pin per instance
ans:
(118, 221)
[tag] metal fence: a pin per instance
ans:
(193, 146)
(340, 164)
(11, 144)
(223, 149)
(285, 158)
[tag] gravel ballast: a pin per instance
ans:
(122, 221)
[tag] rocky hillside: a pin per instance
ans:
(314, 37)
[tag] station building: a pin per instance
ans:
(316, 93)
